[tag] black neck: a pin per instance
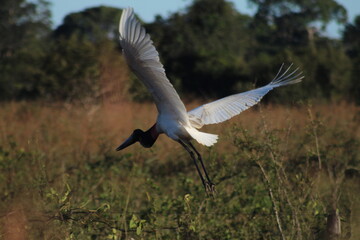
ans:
(149, 137)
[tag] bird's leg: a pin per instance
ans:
(210, 186)
(194, 159)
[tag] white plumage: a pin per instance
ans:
(173, 120)
(228, 107)
(144, 61)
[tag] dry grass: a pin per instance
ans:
(55, 127)
(61, 137)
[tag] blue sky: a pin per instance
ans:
(147, 9)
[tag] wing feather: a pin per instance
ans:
(228, 107)
(143, 59)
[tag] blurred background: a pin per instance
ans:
(68, 51)
(288, 168)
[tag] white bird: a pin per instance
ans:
(173, 119)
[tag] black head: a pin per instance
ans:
(136, 136)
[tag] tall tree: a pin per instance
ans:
(289, 21)
(351, 41)
(95, 24)
(203, 48)
(23, 27)
(71, 70)
(351, 38)
(285, 30)
(82, 47)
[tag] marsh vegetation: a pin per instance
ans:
(280, 172)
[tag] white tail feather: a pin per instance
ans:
(206, 139)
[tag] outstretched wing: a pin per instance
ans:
(143, 59)
(228, 107)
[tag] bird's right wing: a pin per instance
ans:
(228, 107)
(143, 59)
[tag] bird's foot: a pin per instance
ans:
(210, 189)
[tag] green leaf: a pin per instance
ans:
(139, 230)
(134, 222)
(66, 195)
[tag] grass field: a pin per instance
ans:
(281, 172)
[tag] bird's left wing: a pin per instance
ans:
(143, 59)
(228, 107)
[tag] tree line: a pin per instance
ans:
(208, 50)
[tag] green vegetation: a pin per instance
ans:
(283, 176)
(67, 100)
(209, 50)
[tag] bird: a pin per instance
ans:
(173, 119)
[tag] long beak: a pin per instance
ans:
(131, 140)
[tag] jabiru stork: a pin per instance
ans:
(173, 119)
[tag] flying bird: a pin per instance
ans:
(173, 118)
